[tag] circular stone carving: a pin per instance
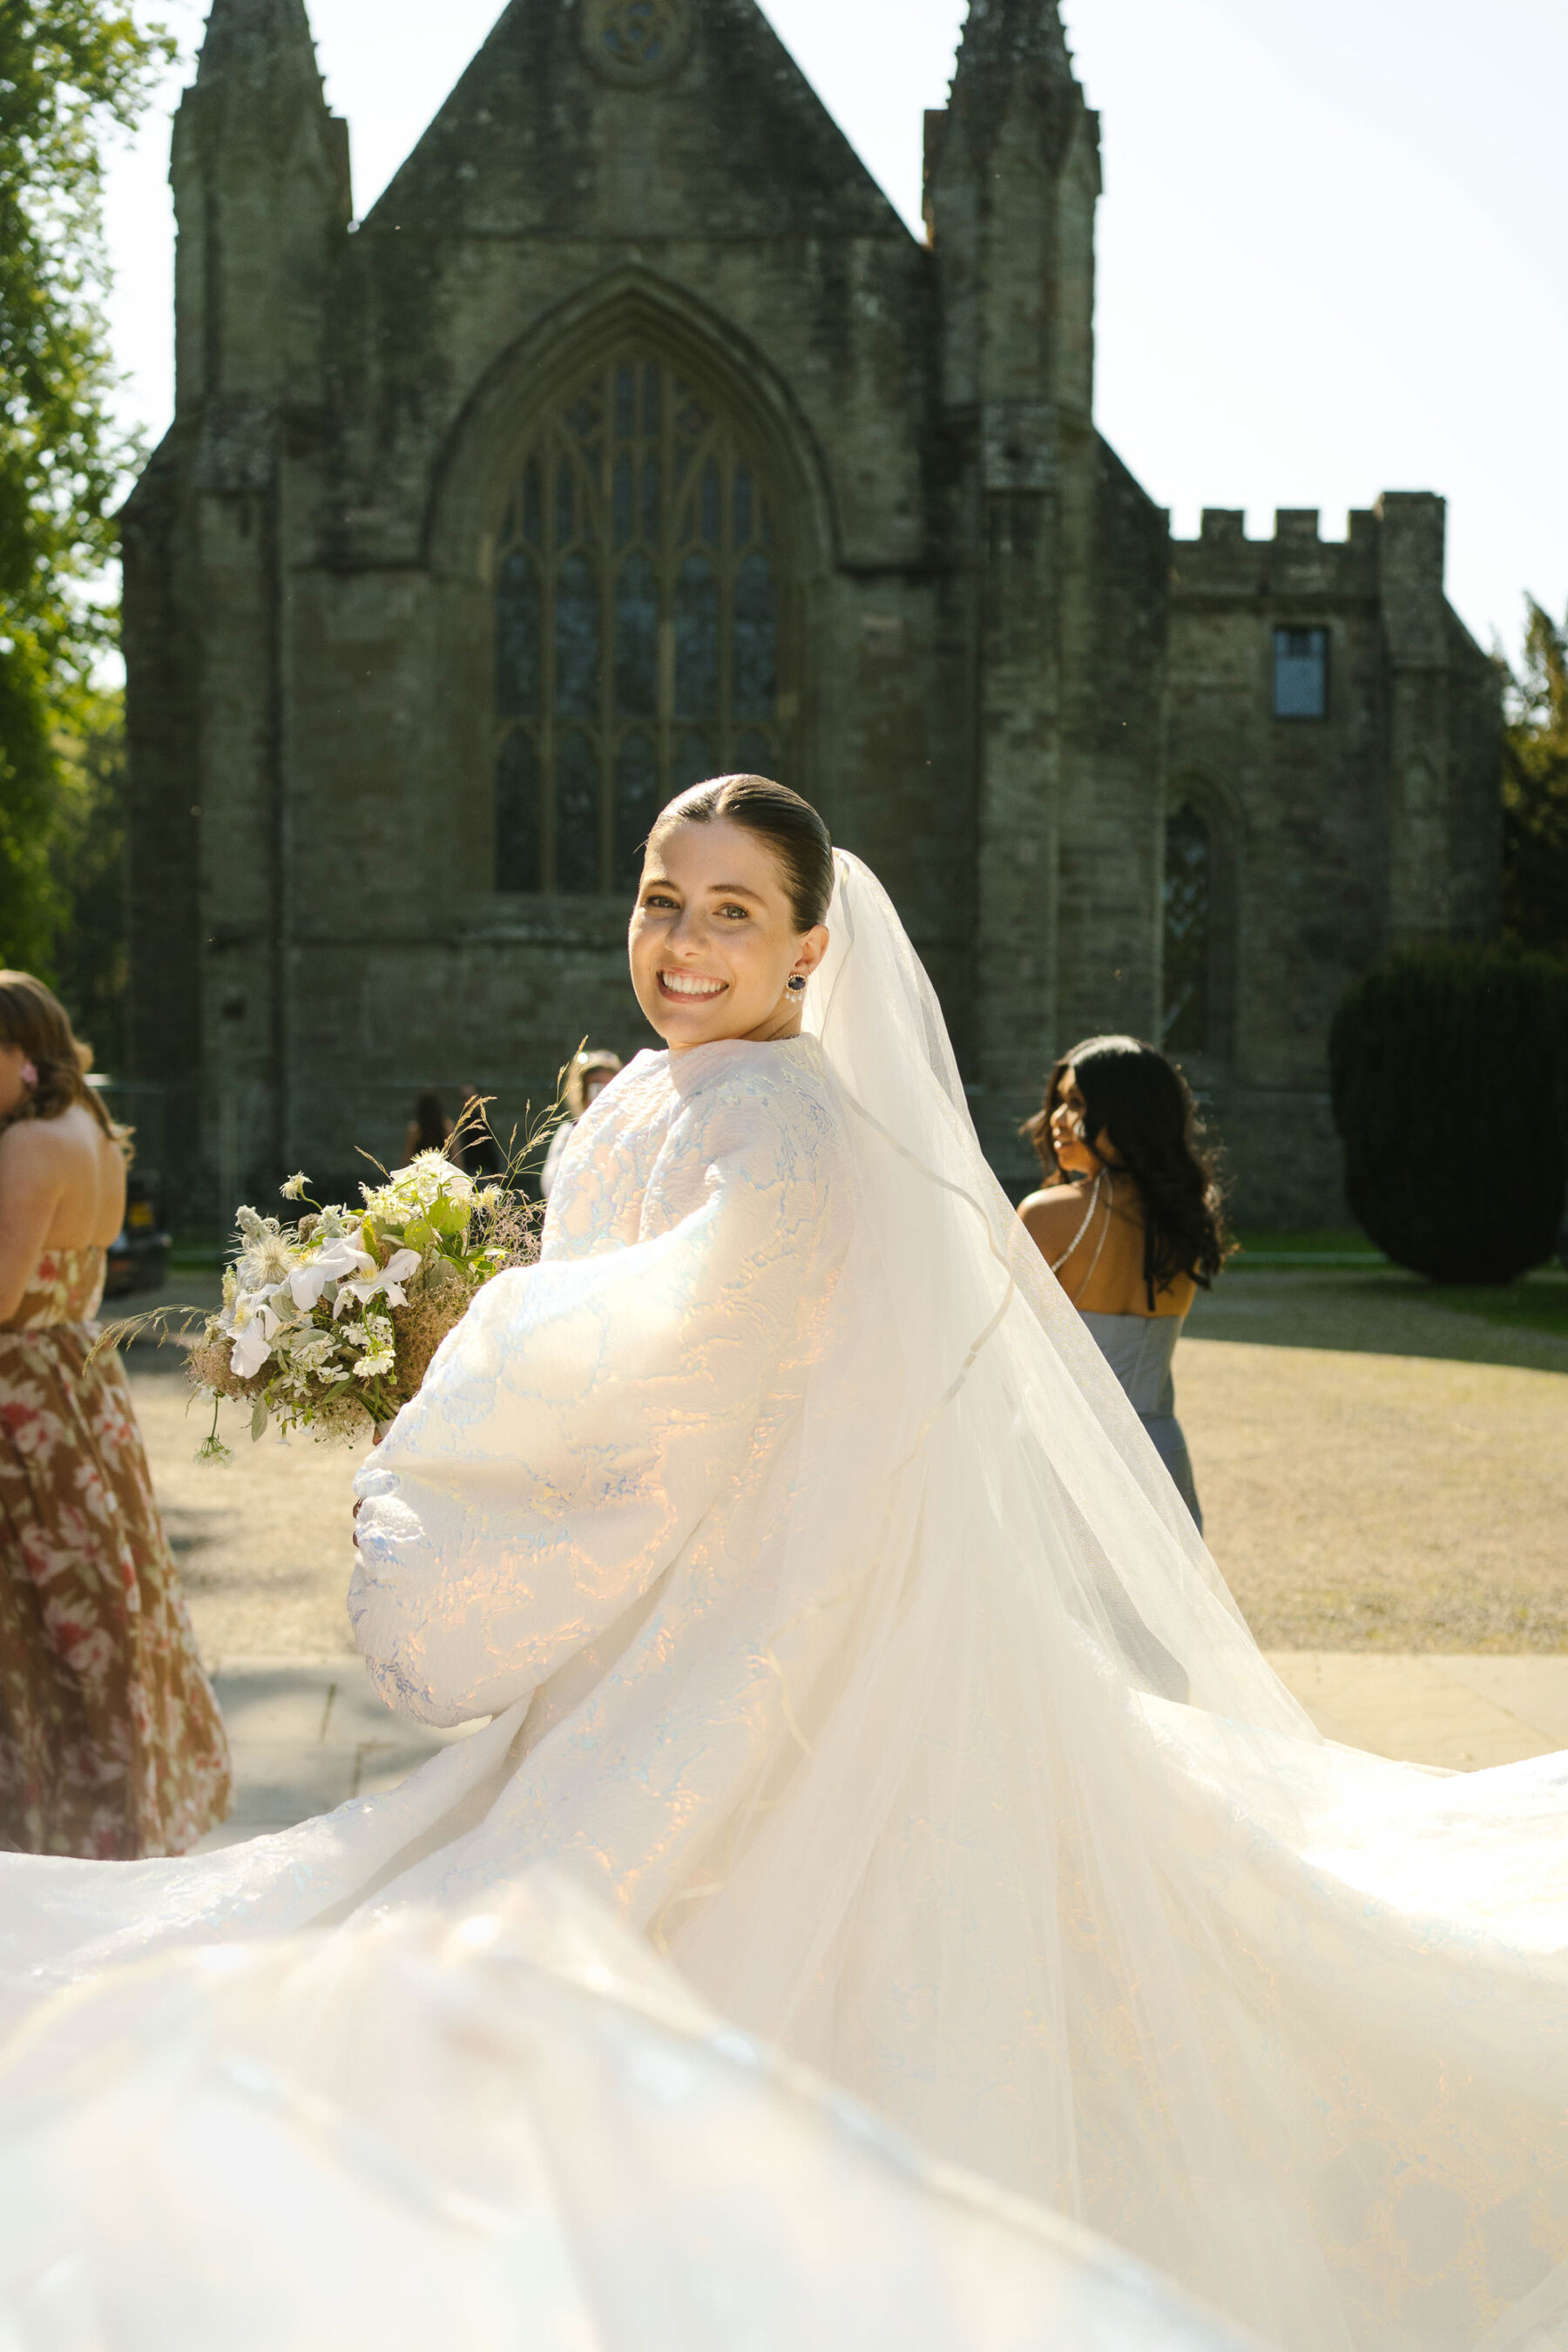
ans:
(637, 41)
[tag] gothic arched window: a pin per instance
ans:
(1189, 931)
(637, 625)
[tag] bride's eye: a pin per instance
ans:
(743, 913)
(658, 899)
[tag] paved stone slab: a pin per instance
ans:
(307, 1735)
(1534, 1691)
(1459, 1711)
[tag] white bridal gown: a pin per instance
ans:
(841, 1628)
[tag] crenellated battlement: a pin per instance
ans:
(1296, 562)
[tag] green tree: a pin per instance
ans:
(87, 861)
(1404, 1041)
(1535, 789)
(70, 70)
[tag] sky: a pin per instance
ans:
(1331, 259)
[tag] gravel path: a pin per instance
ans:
(1377, 1470)
(262, 1542)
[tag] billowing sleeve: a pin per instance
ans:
(577, 1424)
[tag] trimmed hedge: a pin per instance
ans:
(1450, 1068)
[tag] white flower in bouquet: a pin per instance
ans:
(265, 1258)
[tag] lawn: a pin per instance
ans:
(1383, 1461)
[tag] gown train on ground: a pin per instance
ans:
(840, 1626)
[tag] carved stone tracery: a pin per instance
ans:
(637, 42)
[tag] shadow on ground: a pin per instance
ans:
(1384, 1311)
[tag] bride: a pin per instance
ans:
(838, 1622)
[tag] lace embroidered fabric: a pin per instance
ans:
(840, 1625)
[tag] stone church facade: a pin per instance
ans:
(632, 437)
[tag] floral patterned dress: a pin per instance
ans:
(112, 1746)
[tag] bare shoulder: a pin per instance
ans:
(1054, 1214)
(30, 1145)
(37, 1161)
(64, 1146)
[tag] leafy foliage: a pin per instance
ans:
(1450, 1068)
(1535, 789)
(69, 69)
(87, 864)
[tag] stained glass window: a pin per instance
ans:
(1189, 931)
(638, 644)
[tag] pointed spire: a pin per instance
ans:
(257, 83)
(1012, 35)
(1010, 48)
(253, 38)
(262, 197)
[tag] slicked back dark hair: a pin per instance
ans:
(1143, 1105)
(790, 826)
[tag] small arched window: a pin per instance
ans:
(637, 625)
(1189, 931)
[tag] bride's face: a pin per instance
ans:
(713, 939)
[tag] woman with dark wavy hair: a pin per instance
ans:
(1129, 1218)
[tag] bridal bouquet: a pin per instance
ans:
(330, 1324)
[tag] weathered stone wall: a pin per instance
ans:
(340, 940)
(720, 218)
(1337, 838)
(982, 611)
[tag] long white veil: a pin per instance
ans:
(1053, 1868)
(964, 1278)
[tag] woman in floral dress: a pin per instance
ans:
(111, 1743)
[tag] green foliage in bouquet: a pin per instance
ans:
(1450, 1068)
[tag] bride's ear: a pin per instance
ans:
(812, 948)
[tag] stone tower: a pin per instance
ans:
(260, 179)
(1069, 621)
(631, 436)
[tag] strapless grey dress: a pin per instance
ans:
(1138, 1348)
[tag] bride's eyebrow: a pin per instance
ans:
(732, 890)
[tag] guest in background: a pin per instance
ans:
(1129, 1218)
(429, 1127)
(111, 1743)
(588, 1076)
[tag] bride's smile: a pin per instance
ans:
(688, 984)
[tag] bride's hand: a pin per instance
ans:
(375, 1437)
